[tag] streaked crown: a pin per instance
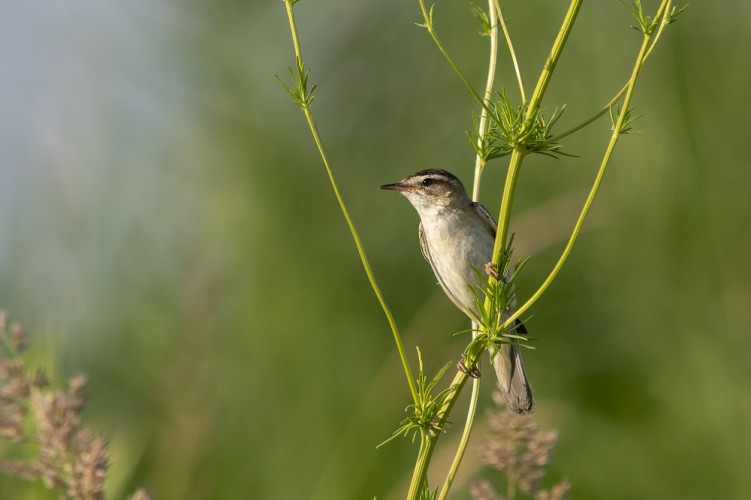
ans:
(434, 184)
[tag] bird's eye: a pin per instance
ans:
(427, 182)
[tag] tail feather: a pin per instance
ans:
(513, 381)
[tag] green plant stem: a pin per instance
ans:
(511, 50)
(517, 156)
(553, 57)
(482, 128)
(457, 384)
(662, 11)
(471, 412)
(507, 198)
(355, 236)
(428, 442)
(583, 124)
(428, 17)
(421, 468)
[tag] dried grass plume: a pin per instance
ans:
(519, 448)
(70, 457)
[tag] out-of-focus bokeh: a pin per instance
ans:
(167, 228)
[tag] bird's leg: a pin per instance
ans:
(491, 269)
(474, 373)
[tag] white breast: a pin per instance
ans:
(455, 248)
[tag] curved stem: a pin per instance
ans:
(583, 124)
(428, 17)
(511, 51)
(355, 236)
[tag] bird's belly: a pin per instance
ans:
(464, 256)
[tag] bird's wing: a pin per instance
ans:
(493, 227)
(426, 253)
(486, 217)
(423, 244)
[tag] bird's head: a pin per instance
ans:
(431, 189)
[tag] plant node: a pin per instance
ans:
(426, 411)
(299, 91)
(511, 129)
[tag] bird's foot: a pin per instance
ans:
(462, 367)
(491, 269)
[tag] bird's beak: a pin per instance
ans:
(397, 186)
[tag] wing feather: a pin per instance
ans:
(486, 217)
(423, 244)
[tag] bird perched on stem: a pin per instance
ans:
(456, 238)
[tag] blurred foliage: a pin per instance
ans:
(166, 227)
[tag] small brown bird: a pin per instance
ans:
(457, 235)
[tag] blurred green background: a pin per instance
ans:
(166, 227)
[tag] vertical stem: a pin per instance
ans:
(507, 199)
(460, 378)
(482, 128)
(471, 411)
(419, 475)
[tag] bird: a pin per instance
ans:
(456, 238)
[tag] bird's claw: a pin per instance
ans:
(462, 367)
(491, 269)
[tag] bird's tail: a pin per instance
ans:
(512, 380)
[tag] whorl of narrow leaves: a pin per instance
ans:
(298, 90)
(425, 412)
(648, 24)
(511, 130)
(628, 120)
